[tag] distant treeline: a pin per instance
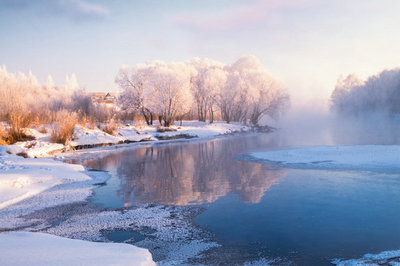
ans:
(377, 94)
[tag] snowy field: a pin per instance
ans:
(45, 249)
(94, 137)
(334, 157)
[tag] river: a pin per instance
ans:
(257, 212)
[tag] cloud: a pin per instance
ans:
(238, 17)
(74, 9)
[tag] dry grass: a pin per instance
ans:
(165, 129)
(91, 125)
(18, 122)
(139, 123)
(3, 136)
(63, 127)
(18, 135)
(42, 130)
(87, 121)
(110, 127)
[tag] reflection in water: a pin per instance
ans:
(189, 173)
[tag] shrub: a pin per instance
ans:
(15, 136)
(63, 127)
(18, 122)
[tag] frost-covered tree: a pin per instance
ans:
(22, 97)
(17, 101)
(168, 90)
(207, 83)
(132, 82)
(340, 96)
(251, 92)
(49, 83)
(243, 91)
(11, 92)
(379, 94)
(71, 83)
(156, 88)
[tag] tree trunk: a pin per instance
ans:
(145, 116)
(167, 122)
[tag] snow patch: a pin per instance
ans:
(345, 157)
(390, 257)
(26, 248)
(22, 178)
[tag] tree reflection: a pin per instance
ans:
(188, 174)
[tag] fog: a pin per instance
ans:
(358, 112)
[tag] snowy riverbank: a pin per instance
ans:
(94, 137)
(23, 178)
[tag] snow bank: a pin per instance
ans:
(347, 157)
(204, 129)
(25, 248)
(85, 136)
(94, 137)
(22, 178)
(35, 148)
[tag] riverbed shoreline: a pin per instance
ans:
(92, 137)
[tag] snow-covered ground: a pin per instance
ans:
(91, 137)
(334, 157)
(22, 178)
(26, 248)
